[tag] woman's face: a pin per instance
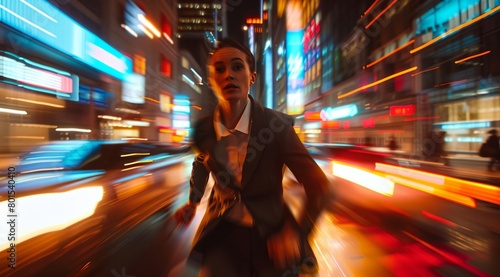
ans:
(229, 74)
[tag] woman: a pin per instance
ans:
(248, 229)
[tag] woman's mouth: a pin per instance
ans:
(230, 86)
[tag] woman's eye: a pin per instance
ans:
(238, 67)
(219, 69)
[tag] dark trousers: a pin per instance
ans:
(233, 250)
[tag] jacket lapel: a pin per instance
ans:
(255, 147)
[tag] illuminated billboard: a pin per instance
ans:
(30, 75)
(181, 112)
(44, 22)
(294, 58)
(330, 113)
(134, 88)
(295, 72)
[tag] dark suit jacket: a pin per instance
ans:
(273, 143)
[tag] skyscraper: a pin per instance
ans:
(201, 18)
(200, 24)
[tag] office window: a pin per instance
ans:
(166, 67)
(165, 26)
(139, 64)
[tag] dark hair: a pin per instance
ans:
(229, 42)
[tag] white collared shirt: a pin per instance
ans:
(236, 157)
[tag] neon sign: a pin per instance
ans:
(33, 76)
(330, 113)
(181, 112)
(402, 110)
(44, 22)
(295, 72)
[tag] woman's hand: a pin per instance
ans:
(185, 214)
(284, 247)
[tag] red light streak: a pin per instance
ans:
(438, 219)
(380, 14)
(370, 8)
(451, 83)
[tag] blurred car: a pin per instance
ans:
(69, 193)
(383, 182)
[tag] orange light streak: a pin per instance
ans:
(380, 14)
(473, 56)
(377, 82)
(451, 187)
(432, 41)
(423, 71)
(390, 54)
(371, 7)
(432, 190)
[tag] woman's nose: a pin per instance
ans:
(229, 75)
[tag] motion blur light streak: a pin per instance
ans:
(424, 71)
(468, 189)
(429, 177)
(142, 28)
(148, 24)
(364, 178)
(370, 8)
(135, 154)
(380, 14)
(479, 191)
(47, 212)
(390, 54)
(472, 57)
(377, 82)
(39, 11)
(35, 102)
(138, 162)
(458, 28)
(438, 219)
(415, 184)
(4, 110)
(27, 21)
(73, 130)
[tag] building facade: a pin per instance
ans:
(371, 71)
(88, 70)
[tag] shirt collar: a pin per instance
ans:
(242, 126)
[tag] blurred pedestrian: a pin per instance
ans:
(440, 143)
(493, 144)
(392, 144)
(248, 229)
(369, 142)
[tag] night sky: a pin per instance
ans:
(237, 12)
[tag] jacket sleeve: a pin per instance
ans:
(309, 174)
(199, 179)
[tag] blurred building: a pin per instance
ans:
(200, 24)
(370, 70)
(89, 70)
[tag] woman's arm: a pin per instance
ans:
(197, 185)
